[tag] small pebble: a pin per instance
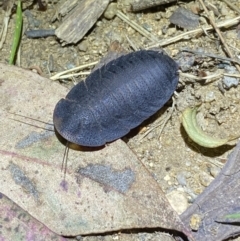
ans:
(171, 31)
(70, 66)
(157, 16)
(83, 46)
(205, 179)
(178, 201)
(147, 27)
(151, 164)
(185, 61)
(115, 36)
(229, 81)
(214, 171)
(167, 178)
(181, 179)
(111, 11)
(188, 163)
(195, 222)
(210, 96)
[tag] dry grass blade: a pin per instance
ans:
(137, 27)
(8, 11)
(232, 6)
(61, 74)
(219, 33)
(211, 55)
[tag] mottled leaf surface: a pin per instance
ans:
(16, 224)
(104, 190)
(219, 199)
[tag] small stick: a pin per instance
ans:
(209, 77)
(67, 76)
(219, 33)
(210, 55)
(136, 26)
(227, 23)
(162, 122)
(131, 43)
(232, 75)
(6, 19)
(232, 6)
(57, 76)
(168, 117)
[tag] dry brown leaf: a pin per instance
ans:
(103, 191)
(16, 224)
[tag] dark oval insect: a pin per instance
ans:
(116, 98)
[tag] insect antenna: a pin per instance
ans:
(66, 151)
(65, 157)
(44, 128)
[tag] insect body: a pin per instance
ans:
(116, 98)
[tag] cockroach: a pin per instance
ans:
(116, 98)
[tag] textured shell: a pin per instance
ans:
(116, 98)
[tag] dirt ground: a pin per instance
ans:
(181, 167)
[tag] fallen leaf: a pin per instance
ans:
(194, 131)
(232, 216)
(16, 224)
(221, 197)
(104, 190)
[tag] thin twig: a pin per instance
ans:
(67, 76)
(219, 33)
(210, 55)
(232, 6)
(57, 76)
(232, 75)
(6, 19)
(161, 123)
(209, 77)
(226, 23)
(168, 117)
(136, 26)
(131, 43)
(150, 130)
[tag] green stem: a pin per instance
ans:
(17, 33)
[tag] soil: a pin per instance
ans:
(178, 164)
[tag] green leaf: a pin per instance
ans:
(17, 33)
(194, 131)
(232, 216)
(229, 218)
